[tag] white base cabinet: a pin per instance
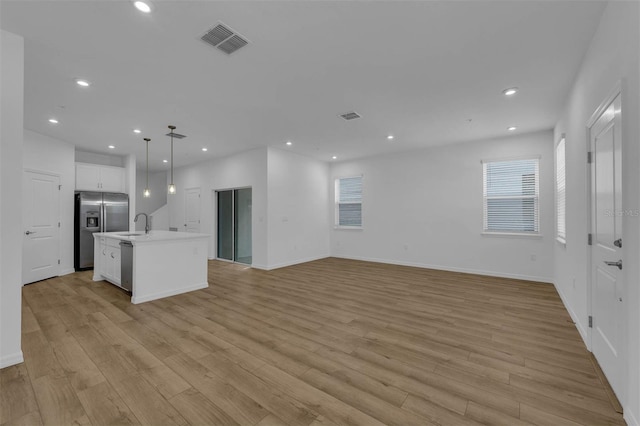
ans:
(107, 261)
(93, 177)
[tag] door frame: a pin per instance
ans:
(214, 224)
(47, 173)
(615, 92)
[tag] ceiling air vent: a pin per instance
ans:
(176, 135)
(224, 39)
(350, 115)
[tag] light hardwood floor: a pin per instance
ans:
(322, 343)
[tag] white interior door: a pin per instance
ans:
(607, 284)
(192, 210)
(41, 239)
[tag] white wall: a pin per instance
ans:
(11, 134)
(247, 169)
(158, 198)
(612, 57)
(101, 159)
(45, 154)
(424, 208)
(298, 198)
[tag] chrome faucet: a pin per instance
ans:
(146, 221)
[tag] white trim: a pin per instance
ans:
(11, 359)
(574, 317)
(162, 294)
(503, 159)
(67, 272)
(546, 280)
(617, 90)
(629, 417)
(293, 262)
(511, 234)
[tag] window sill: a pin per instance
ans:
(348, 228)
(511, 235)
(561, 241)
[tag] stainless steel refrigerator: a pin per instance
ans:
(97, 212)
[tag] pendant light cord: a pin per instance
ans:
(147, 140)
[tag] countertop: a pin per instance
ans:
(151, 237)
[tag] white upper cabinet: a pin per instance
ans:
(93, 177)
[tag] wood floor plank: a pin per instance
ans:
(104, 406)
(436, 413)
(198, 410)
(278, 403)
(58, 403)
(237, 405)
(323, 403)
(324, 343)
(489, 416)
(146, 403)
(17, 398)
(367, 403)
(81, 371)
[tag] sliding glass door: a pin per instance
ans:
(234, 225)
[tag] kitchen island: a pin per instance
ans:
(163, 263)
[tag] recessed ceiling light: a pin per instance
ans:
(510, 91)
(53, 121)
(205, 149)
(289, 143)
(165, 161)
(83, 83)
(137, 131)
(111, 147)
(390, 137)
(142, 6)
(512, 128)
(334, 157)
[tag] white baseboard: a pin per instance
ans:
(67, 271)
(258, 266)
(630, 418)
(295, 262)
(12, 359)
(583, 331)
(160, 295)
(548, 280)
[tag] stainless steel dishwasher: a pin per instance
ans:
(126, 265)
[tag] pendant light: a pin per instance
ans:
(147, 193)
(172, 187)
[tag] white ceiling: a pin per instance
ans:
(418, 70)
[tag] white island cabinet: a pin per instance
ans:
(164, 263)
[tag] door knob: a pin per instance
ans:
(618, 263)
(618, 243)
(30, 232)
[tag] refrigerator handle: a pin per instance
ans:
(104, 217)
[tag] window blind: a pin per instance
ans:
(511, 193)
(561, 192)
(349, 201)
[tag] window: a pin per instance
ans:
(561, 192)
(511, 196)
(349, 202)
